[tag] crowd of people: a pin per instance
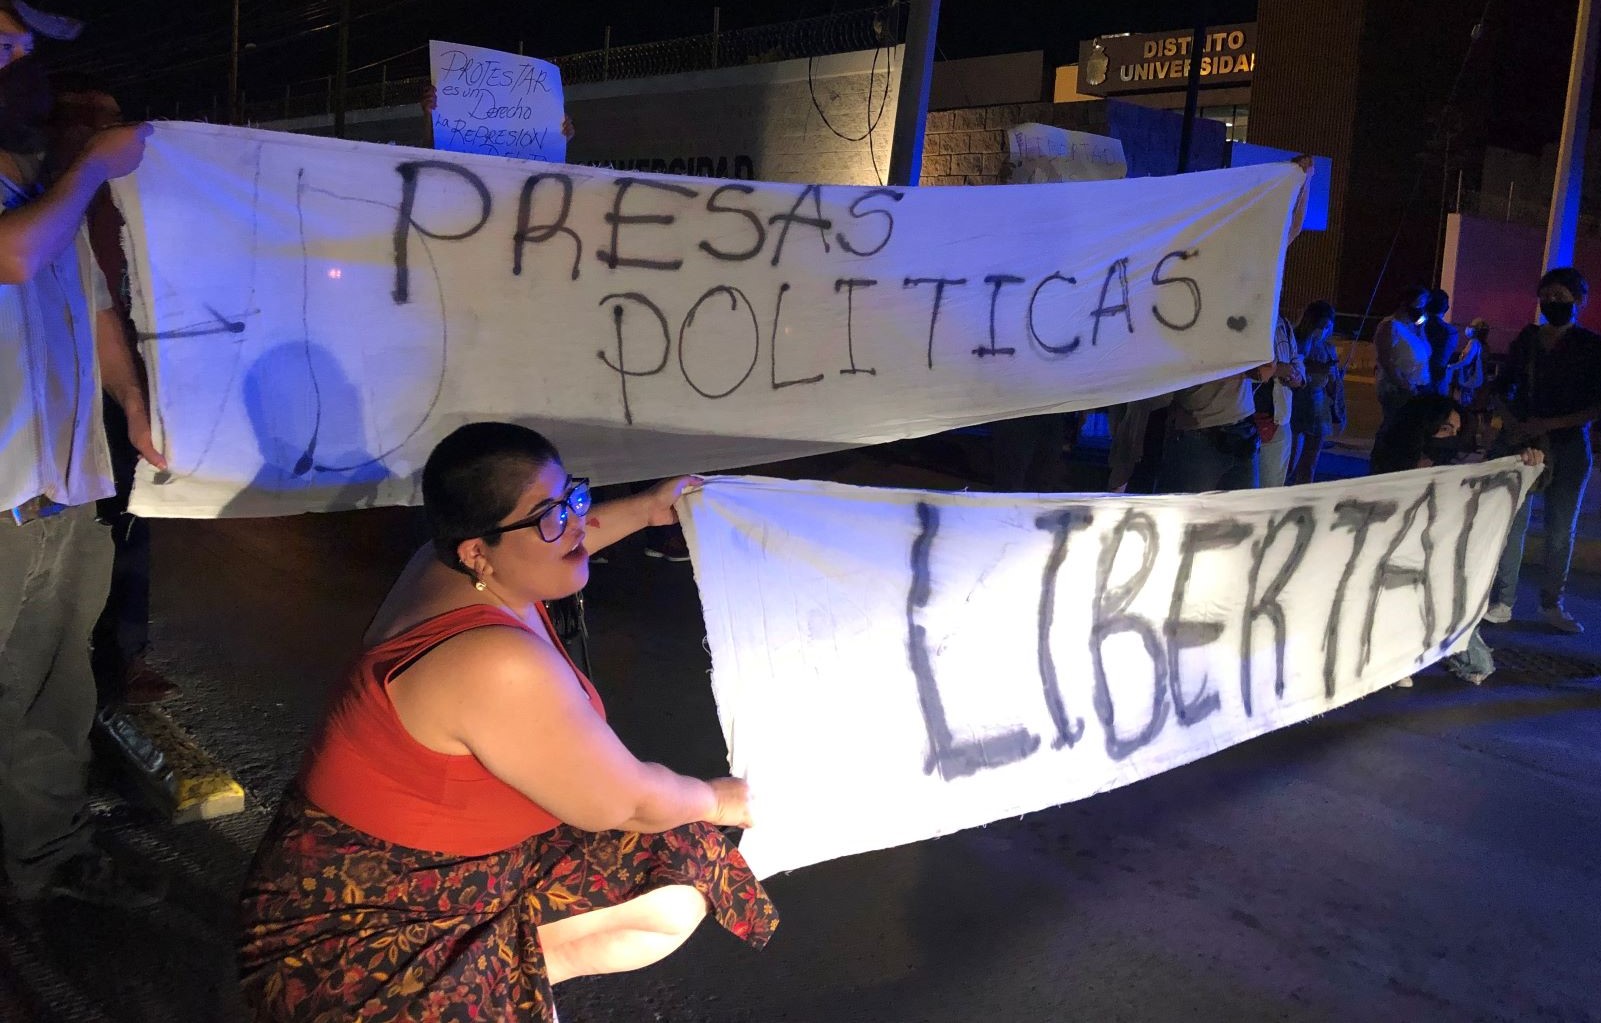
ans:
(466, 830)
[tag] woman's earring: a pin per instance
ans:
(478, 584)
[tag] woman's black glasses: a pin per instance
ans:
(550, 517)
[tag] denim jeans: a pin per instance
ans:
(54, 573)
(1570, 462)
(1476, 659)
(1193, 463)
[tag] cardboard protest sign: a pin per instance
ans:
(496, 104)
(891, 665)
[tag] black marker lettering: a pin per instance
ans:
(1358, 517)
(939, 294)
(998, 281)
(735, 297)
(1184, 633)
(1111, 618)
(950, 758)
(1064, 349)
(527, 232)
(889, 221)
(793, 217)
(1510, 480)
(778, 311)
(712, 206)
(623, 372)
(404, 222)
(1300, 518)
(1119, 271)
(850, 285)
(617, 219)
(1195, 291)
(1389, 576)
(1061, 525)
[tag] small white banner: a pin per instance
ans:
(496, 104)
(893, 665)
(318, 313)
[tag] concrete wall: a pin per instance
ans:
(987, 81)
(1493, 267)
(753, 121)
(758, 121)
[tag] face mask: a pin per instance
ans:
(24, 102)
(1443, 450)
(1558, 314)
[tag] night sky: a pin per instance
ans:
(159, 51)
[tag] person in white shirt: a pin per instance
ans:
(60, 343)
(1403, 353)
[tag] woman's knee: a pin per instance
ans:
(675, 909)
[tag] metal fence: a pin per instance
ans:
(401, 79)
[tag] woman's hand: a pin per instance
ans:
(567, 129)
(429, 100)
(733, 803)
(1532, 456)
(659, 500)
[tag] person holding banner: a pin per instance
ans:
(1550, 394)
(466, 830)
(61, 346)
(1427, 431)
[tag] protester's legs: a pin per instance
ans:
(56, 571)
(1505, 588)
(1274, 458)
(1191, 464)
(624, 937)
(1308, 446)
(1570, 471)
(1243, 472)
(1473, 664)
(1028, 453)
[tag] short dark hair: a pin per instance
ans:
(1314, 315)
(1400, 444)
(474, 478)
(1568, 277)
(1438, 302)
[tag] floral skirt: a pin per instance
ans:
(339, 925)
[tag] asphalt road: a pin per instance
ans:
(1428, 854)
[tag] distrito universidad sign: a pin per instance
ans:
(1110, 65)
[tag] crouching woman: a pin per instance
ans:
(466, 830)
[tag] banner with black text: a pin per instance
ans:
(317, 313)
(893, 665)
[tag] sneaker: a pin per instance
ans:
(673, 549)
(143, 685)
(1404, 683)
(1498, 614)
(100, 879)
(1561, 621)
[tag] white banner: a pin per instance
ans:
(496, 104)
(319, 313)
(894, 665)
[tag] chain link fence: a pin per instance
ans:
(402, 79)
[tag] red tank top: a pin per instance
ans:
(366, 769)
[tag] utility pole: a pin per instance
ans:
(911, 100)
(1192, 88)
(233, 70)
(1565, 193)
(342, 68)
